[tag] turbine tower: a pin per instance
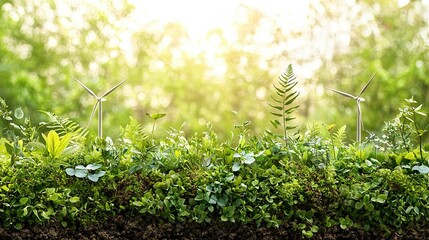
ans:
(98, 104)
(358, 98)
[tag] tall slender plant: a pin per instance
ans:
(284, 98)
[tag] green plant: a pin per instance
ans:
(337, 138)
(244, 158)
(4, 111)
(15, 125)
(408, 114)
(155, 117)
(56, 146)
(395, 137)
(283, 102)
(62, 126)
(81, 171)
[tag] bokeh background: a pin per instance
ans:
(213, 62)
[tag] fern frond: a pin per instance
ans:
(339, 136)
(283, 103)
(135, 133)
(62, 126)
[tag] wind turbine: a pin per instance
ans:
(358, 98)
(99, 105)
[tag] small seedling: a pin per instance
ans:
(155, 117)
(99, 105)
(358, 98)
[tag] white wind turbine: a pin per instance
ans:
(359, 123)
(99, 105)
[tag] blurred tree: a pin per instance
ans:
(393, 43)
(44, 44)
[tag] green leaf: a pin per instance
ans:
(314, 229)
(38, 146)
(70, 150)
(210, 208)
(45, 215)
(359, 205)
(369, 207)
(81, 173)
(422, 169)
(93, 177)
(80, 167)
(236, 167)
(138, 203)
(74, 199)
(275, 123)
(156, 116)
(248, 159)
(200, 196)
(221, 202)
(52, 141)
(381, 198)
(408, 210)
(212, 199)
(100, 173)
(93, 166)
(307, 234)
(23, 201)
(63, 143)
(70, 171)
(229, 177)
(19, 114)
(64, 211)
(18, 226)
(410, 156)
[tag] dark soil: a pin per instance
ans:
(136, 228)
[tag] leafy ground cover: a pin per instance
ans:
(58, 181)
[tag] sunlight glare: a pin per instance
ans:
(200, 17)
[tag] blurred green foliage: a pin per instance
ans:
(43, 45)
(395, 47)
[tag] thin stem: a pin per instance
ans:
(418, 133)
(333, 146)
(153, 127)
(284, 123)
(402, 135)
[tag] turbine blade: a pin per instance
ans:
(343, 93)
(86, 88)
(366, 85)
(92, 113)
(113, 89)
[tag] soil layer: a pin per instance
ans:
(121, 228)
